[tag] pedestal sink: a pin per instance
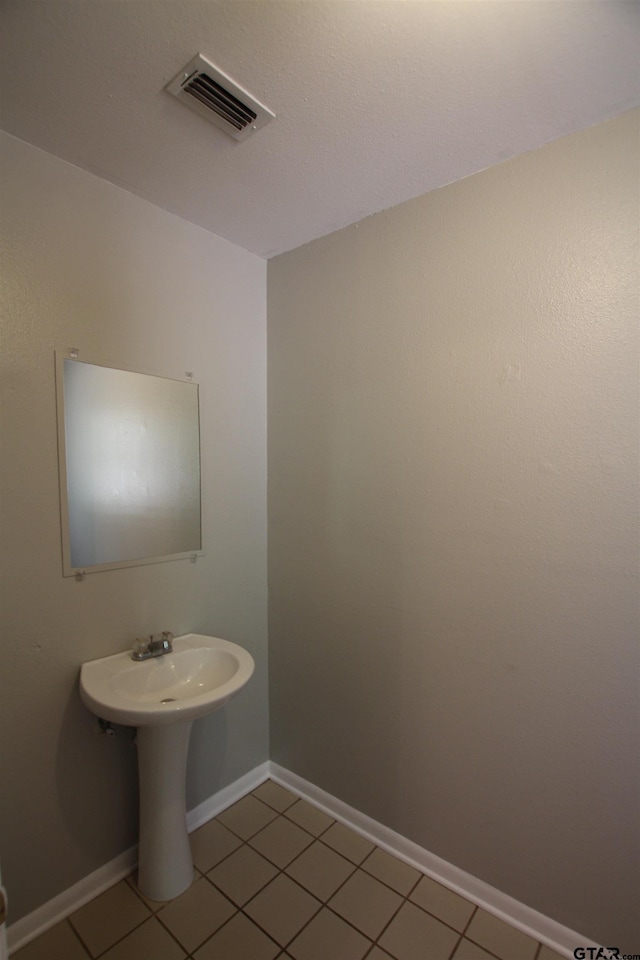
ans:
(162, 697)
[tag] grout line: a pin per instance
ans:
(353, 926)
(247, 917)
(384, 882)
(486, 949)
(298, 932)
(209, 935)
(468, 923)
(310, 832)
(327, 847)
(464, 929)
(455, 947)
(259, 890)
(95, 956)
(129, 932)
(70, 922)
(77, 936)
(344, 857)
(101, 953)
(172, 934)
(391, 919)
(254, 793)
(204, 873)
(368, 953)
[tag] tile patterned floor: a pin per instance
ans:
(278, 878)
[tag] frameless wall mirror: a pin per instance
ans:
(129, 456)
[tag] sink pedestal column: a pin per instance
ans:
(165, 867)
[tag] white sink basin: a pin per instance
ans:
(161, 697)
(201, 675)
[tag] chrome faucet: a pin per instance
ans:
(146, 647)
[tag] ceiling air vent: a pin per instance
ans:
(217, 97)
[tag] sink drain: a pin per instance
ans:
(169, 700)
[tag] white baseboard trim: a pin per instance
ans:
(53, 911)
(534, 924)
(224, 798)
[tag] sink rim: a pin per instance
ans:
(99, 695)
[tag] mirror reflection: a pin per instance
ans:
(130, 466)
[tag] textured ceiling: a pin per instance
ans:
(376, 101)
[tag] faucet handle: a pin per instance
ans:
(166, 641)
(140, 646)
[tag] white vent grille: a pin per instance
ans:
(214, 95)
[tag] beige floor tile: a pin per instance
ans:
(276, 796)
(320, 870)
(282, 909)
(498, 937)
(443, 903)
(239, 939)
(391, 871)
(546, 953)
(281, 841)
(327, 936)
(197, 914)
(149, 940)
(242, 874)
(415, 935)
(58, 943)
(351, 845)
(467, 950)
(309, 817)
(212, 843)
(247, 816)
(109, 917)
(366, 903)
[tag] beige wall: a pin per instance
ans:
(87, 264)
(452, 532)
